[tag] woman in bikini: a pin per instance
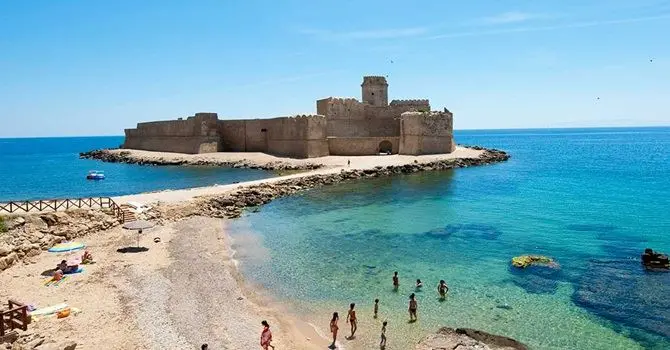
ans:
(334, 328)
(351, 317)
(266, 336)
(412, 308)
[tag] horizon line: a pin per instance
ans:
(464, 129)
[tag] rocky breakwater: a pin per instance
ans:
(30, 234)
(467, 339)
(111, 156)
(231, 205)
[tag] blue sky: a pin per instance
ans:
(96, 67)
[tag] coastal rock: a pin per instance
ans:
(5, 249)
(8, 261)
(468, 339)
(39, 232)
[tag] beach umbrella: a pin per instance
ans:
(138, 225)
(66, 247)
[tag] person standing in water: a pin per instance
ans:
(382, 343)
(412, 308)
(334, 328)
(266, 336)
(351, 318)
(442, 289)
(396, 282)
(376, 307)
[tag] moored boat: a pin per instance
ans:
(95, 175)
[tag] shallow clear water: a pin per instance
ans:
(593, 199)
(45, 168)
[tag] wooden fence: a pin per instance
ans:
(63, 204)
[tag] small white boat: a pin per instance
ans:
(95, 175)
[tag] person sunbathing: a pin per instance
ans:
(65, 268)
(87, 258)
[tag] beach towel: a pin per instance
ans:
(53, 283)
(49, 310)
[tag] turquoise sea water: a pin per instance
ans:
(593, 199)
(45, 168)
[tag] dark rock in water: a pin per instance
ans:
(474, 230)
(468, 339)
(623, 292)
(537, 279)
(439, 233)
(504, 307)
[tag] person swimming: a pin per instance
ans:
(334, 328)
(412, 308)
(418, 284)
(351, 318)
(442, 289)
(396, 281)
(382, 343)
(376, 307)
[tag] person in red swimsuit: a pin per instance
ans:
(266, 336)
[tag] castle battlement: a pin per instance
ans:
(410, 102)
(374, 79)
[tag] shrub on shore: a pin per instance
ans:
(3, 226)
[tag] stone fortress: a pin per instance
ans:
(342, 126)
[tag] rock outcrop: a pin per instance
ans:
(17, 339)
(107, 155)
(30, 234)
(467, 339)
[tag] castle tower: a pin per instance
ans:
(375, 91)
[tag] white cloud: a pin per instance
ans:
(391, 33)
(595, 23)
(510, 17)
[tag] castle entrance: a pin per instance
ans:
(385, 147)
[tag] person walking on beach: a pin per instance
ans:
(376, 307)
(442, 289)
(382, 343)
(349, 162)
(396, 282)
(334, 328)
(351, 318)
(412, 308)
(266, 336)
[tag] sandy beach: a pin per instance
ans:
(178, 294)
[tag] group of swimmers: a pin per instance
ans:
(442, 290)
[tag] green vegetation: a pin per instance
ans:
(3, 226)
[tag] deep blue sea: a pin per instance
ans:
(48, 168)
(592, 199)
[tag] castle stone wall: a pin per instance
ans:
(359, 146)
(233, 135)
(196, 134)
(426, 133)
